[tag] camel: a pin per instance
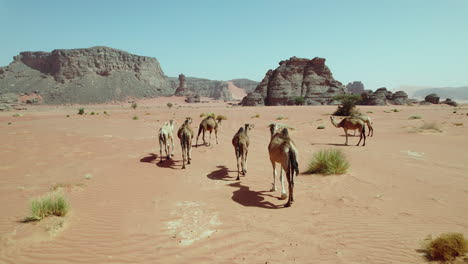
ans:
(208, 124)
(241, 142)
(352, 123)
(282, 150)
(185, 134)
(165, 135)
(368, 121)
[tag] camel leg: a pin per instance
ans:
(283, 191)
(346, 134)
(245, 160)
(184, 154)
(273, 188)
(237, 163)
(290, 199)
(209, 140)
(160, 150)
(242, 158)
(172, 142)
(189, 153)
(371, 130)
(216, 135)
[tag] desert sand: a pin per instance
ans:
(127, 208)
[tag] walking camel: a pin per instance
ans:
(282, 150)
(351, 123)
(185, 134)
(368, 121)
(241, 142)
(209, 124)
(165, 135)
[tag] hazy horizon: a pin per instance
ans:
(394, 44)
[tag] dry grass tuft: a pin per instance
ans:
(321, 127)
(458, 124)
(50, 204)
(256, 116)
(446, 247)
(415, 117)
(330, 161)
(430, 126)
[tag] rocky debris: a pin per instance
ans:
(297, 77)
(382, 96)
(449, 102)
(10, 101)
(91, 75)
(217, 90)
(194, 98)
(248, 85)
(432, 98)
(355, 87)
(253, 99)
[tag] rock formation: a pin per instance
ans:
(182, 89)
(206, 88)
(432, 98)
(383, 97)
(248, 85)
(355, 87)
(449, 102)
(295, 77)
(91, 75)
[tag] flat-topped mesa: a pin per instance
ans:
(297, 77)
(89, 75)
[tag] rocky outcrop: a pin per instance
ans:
(383, 97)
(297, 77)
(206, 88)
(253, 99)
(432, 98)
(194, 98)
(248, 85)
(355, 87)
(10, 101)
(91, 75)
(182, 89)
(449, 101)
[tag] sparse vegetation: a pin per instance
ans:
(92, 113)
(88, 176)
(256, 116)
(169, 105)
(299, 100)
(415, 117)
(16, 115)
(321, 127)
(134, 106)
(430, 126)
(395, 110)
(369, 112)
(135, 118)
(105, 112)
(68, 115)
(348, 104)
(458, 124)
(9, 123)
(50, 204)
(81, 111)
(279, 118)
(446, 247)
(330, 161)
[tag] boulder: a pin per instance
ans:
(194, 98)
(252, 99)
(449, 102)
(355, 87)
(399, 98)
(432, 98)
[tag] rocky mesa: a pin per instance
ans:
(296, 77)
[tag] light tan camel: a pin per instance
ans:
(282, 150)
(351, 123)
(208, 124)
(368, 121)
(185, 134)
(165, 135)
(241, 142)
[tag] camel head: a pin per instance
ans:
(248, 127)
(188, 120)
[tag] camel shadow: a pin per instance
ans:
(150, 158)
(246, 197)
(327, 144)
(221, 174)
(153, 158)
(168, 163)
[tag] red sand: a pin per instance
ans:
(401, 187)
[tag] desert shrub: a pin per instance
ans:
(395, 110)
(330, 161)
(105, 112)
(92, 113)
(348, 104)
(81, 111)
(135, 118)
(169, 105)
(430, 126)
(16, 115)
(68, 115)
(134, 106)
(321, 127)
(256, 116)
(299, 100)
(369, 112)
(415, 117)
(50, 204)
(9, 123)
(458, 124)
(446, 247)
(279, 118)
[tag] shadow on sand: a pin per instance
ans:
(166, 163)
(247, 197)
(221, 174)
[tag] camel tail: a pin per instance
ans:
(293, 165)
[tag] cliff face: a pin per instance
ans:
(310, 79)
(91, 75)
(206, 88)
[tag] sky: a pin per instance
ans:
(383, 43)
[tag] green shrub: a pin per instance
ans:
(169, 105)
(105, 112)
(446, 247)
(279, 118)
(321, 127)
(68, 115)
(92, 113)
(395, 110)
(134, 105)
(299, 100)
(16, 115)
(135, 118)
(256, 116)
(330, 161)
(348, 104)
(81, 111)
(50, 204)
(458, 124)
(415, 117)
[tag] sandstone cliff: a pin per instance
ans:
(204, 87)
(91, 75)
(295, 77)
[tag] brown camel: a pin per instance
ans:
(208, 124)
(368, 121)
(282, 150)
(185, 134)
(165, 135)
(351, 123)
(241, 142)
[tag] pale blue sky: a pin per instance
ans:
(382, 43)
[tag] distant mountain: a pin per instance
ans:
(460, 93)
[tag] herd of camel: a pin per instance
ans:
(281, 148)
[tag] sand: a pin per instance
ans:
(128, 208)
